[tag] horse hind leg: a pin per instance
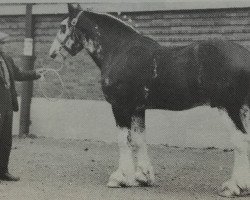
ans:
(239, 183)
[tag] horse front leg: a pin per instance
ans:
(124, 176)
(144, 171)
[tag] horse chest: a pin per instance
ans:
(125, 88)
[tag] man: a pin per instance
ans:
(8, 103)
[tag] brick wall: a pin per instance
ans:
(81, 76)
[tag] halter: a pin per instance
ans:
(72, 31)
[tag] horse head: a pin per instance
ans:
(75, 33)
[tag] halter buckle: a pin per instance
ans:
(74, 21)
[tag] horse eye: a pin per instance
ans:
(63, 28)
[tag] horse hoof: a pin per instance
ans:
(145, 177)
(232, 189)
(227, 192)
(113, 184)
(119, 179)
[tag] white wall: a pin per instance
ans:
(81, 119)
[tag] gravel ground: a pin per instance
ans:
(52, 169)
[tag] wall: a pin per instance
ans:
(183, 27)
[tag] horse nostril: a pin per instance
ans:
(53, 55)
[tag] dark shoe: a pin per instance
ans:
(8, 177)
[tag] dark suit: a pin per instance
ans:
(8, 104)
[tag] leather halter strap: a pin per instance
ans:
(71, 30)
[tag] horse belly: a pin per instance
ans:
(176, 86)
(172, 97)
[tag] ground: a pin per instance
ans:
(52, 169)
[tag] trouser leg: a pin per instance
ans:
(5, 139)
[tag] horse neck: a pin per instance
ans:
(108, 42)
(114, 43)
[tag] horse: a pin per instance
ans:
(137, 73)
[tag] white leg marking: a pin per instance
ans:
(239, 184)
(144, 172)
(125, 174)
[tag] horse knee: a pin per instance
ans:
(137, 141)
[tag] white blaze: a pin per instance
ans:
(56, 46)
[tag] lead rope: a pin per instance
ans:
(42, 79)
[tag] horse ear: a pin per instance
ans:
(79, 7)
(71, 8)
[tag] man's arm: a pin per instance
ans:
(20, 75)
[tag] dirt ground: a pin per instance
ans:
(53, 169)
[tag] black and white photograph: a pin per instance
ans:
(124, 100)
